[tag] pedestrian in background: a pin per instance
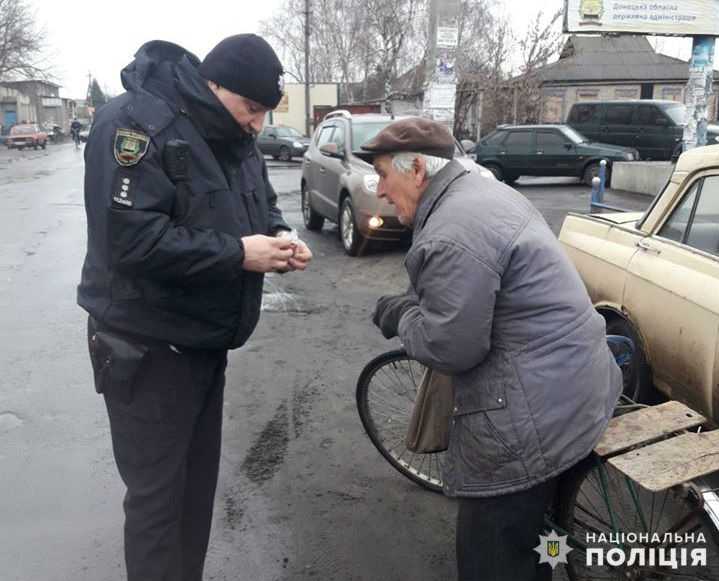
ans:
(499, 307)
(182, 226)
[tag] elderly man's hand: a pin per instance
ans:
(389, 311)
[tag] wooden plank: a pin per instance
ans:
(670, 462)
(645, 425)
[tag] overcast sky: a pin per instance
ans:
(98, 37)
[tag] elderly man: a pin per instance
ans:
(499, 307)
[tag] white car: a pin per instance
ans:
(655, 278)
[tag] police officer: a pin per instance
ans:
(182, 226)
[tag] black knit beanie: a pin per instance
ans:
(246, 64)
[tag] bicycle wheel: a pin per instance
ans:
(386, 391)
(584, 510)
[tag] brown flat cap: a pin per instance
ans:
(410, 134)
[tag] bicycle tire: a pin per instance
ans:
(386, 390)
(582, 510)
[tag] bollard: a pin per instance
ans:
(597, 195)
(602, 178)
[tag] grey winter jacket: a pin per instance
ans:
(502, 310)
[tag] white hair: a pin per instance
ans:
(403, 160)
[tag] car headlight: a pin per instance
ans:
(370, 182)
(297, 145)
(629, 156)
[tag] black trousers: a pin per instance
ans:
(496, 536)
(166, 436)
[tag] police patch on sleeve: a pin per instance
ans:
(123, 189)
(130, 146)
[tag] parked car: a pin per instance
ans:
(84, 133)
(282, 142)
(26, 135)
(511, 151)
(654, 127)
(655, 278)
(340, 187)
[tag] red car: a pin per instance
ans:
(26, 135)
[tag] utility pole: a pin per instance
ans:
(698, 92)
(441, 86)
(308, 119)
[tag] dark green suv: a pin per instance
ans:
(511, 151)
(654, 127)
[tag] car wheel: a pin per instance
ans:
(285, 154)
(352, 240)
(636, 375)
(496, 170)
(44, 144)
(592, 171)
(312, 220)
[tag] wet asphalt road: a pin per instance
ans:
(302, 494)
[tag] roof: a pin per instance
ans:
(612, 58)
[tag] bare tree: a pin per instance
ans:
(21, 43)
(350, 40)
(541, 42)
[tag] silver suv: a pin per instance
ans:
(340, 187)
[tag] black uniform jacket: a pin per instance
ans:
(171, 185)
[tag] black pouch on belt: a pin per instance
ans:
(115, 361)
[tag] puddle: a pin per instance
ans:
(9, 420)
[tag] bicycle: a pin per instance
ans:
(593, 498)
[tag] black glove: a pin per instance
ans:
(389, 311)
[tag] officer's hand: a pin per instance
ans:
(389, 311)
(302, 254)
(266, 253)
(302, 257)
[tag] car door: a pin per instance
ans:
(266, 143)
(655, 136)
(516, 154)
(671, 294)
(618, 127)
(554, 154)
(328, 169)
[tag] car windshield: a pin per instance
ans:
(23, 130)
(290, 132)
(676, 112)
(574, 135)
(361, 132)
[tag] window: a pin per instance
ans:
(550, 139)
(584, 114)
(495, 138)
(325, 135)
(619, 114)
(651, 115)
(518, 138)
(695, 222)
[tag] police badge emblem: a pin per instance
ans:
(130, 146)
(553, 549)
